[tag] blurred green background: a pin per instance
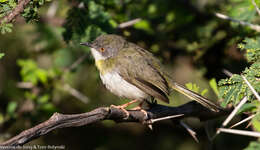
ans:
(38, 78)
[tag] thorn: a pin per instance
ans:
(165, 118)
(251, 88)
(191, 132)
(244, 120)
(240, 132)
(150, 127)
(249, 124)
(227, 73)
(233, 113)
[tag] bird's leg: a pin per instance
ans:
(138, 107)
(129, 103)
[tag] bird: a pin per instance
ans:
(129, 71)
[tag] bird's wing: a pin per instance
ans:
(136, 68)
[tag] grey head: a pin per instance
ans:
(106, 46)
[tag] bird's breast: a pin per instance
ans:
(105, 66)
(120, 87)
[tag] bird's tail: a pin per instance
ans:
(194, 96)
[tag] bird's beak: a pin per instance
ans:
(86, 44)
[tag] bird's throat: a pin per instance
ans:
(104, 66)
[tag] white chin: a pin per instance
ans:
(97, 55)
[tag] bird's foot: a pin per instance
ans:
(123, 109)
(142, 110)
(145, 114)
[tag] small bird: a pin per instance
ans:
(132, 72)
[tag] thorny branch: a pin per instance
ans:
(57, 120)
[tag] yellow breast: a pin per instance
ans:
(99, 64)
(104, 66)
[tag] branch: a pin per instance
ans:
(257, 9)
(243, 23)
(57, 120)
(16, 11)
(129, 23)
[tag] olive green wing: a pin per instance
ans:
(136, 69)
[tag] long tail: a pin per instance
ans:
(194, 96)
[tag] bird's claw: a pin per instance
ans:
(123, 109)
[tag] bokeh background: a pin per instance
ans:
(45, 70)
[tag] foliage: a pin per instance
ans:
(30, 13)
(253, 146)
(87, 27)
(1, 55)
(31, 73)
(234, 88)
(195, 88)
(6, 27)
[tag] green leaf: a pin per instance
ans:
(43, 99)
(204, 92)
(143, 25)
(11, 107)
(42, 75)
(248, 107)
(252, 47)
(6, 28)
(196, 89)
(2, 55)
(2, 119)
(256, 122)
(213, 85)
(254, 145)
(192, 87)
(30, 72)
(246, 10)
(232, 90)
(48, 107)
(30, 95)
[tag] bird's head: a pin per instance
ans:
(105, 46)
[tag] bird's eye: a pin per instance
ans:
(102, 49)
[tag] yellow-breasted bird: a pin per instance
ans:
(130, 71)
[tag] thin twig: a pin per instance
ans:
(211, 138)
(251, 88)
(240, 132)
(76, 93)
(24, 85)
(52, 9)
(128, 23)
(233, 113)
(191, 132)
(243, 23)
(83, 98)
(76, 63)
(226, 72)
(242, 121)
(257, 9)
